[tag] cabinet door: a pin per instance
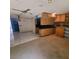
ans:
(44, 32)
(60, 18)
(57, 18)
(46, 21)
(63, 18)
(60, 31)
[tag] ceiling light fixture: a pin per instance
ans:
(50, 2)
(53, 14)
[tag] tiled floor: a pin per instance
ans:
(49, 47)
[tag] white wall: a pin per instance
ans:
(11, 36)
(38, 6)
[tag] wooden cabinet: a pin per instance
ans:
(44, 32)
(60, 21)
(60, 31)
(46, 19)
(60, 18)
(67, 19)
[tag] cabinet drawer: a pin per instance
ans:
(44, 32)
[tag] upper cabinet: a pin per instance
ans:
(46, 19)
(60, 18)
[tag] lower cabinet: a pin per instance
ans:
(60, 31)
(47, 31)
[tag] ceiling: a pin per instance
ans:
(38, 6)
